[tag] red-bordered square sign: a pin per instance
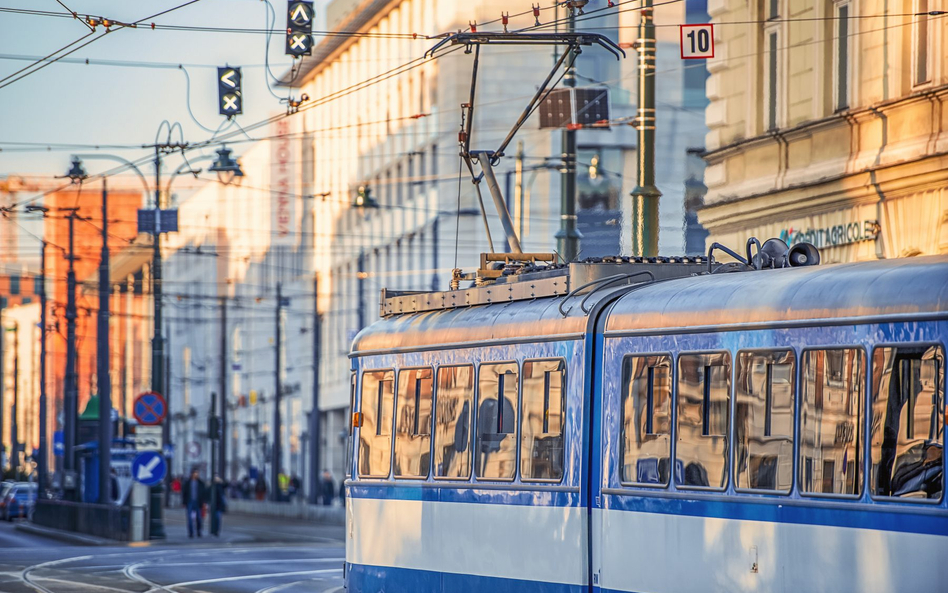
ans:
(697, 41)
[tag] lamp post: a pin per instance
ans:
(103, 374)
(71, 396)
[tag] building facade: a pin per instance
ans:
(828, 123)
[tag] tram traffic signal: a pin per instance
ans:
(230, 100)
(299, 28)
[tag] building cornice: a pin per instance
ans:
(719, 154)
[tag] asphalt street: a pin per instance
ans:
(255, 555)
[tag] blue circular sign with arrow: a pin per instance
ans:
(149, 468)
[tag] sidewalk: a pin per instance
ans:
(239, 528)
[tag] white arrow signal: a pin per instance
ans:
(228, 79)
(298, 12)
(145, 472)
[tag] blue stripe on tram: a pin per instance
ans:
(374, 579)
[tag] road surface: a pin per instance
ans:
(256, 555)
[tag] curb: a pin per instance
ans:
(69, 537)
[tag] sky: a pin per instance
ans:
(69, 102)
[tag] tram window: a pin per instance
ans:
(908, 420)
(646, 420)
(352, 395)
(375, 436)
(763, 421)
(544, 413)
(455, 400)
(704, 394)
(496, 450)
(831, 416)
(413, 424)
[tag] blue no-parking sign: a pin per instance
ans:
(149, 468)
(149, 408)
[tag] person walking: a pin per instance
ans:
(219, 504)
(194, 493)
(329, 489)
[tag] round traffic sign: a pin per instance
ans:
(149, 408)
(149, 468)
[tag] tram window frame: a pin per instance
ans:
(706, 419)
(469, 437)
(563, 413)
(515, 434)
(379, 411)
(425, 467)
(352, 408)
(738, 391)
(941, 378)
(860, 447)
(624, 385)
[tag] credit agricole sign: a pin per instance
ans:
(835, 235)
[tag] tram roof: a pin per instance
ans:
(917, 285)
(892, 287)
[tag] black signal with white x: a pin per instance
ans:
(299, 28)
(230, 100)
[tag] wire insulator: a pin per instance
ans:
(473, 26)
(536, 13)
(505, 18)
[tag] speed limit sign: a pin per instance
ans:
(697, 41)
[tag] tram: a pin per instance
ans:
(654, 425)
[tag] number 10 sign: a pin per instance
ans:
(697, 41)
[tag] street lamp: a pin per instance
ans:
(226, 167)
(76, 173)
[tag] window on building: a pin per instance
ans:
(773, 9)
(831, 416)
(399, 185)
(453, 416)
(352, 395)
(14, 285)
(413, 424)
(921, 32)
(908, 420)
(434, 165)
(763, 421)
(375, 436)
(704, 394)
(38, 285)
(542, 421)
(496, 449)
(645, 442)
(841, 56)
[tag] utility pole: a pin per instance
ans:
(646, 196)
(568, 237)
(276, 453)
(44, 445)
(14, 417)
(314, 424)
(222, 461)
(102, 359)
(3, 382)
(71, 396)
(157, 526)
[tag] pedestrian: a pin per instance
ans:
(329, 488)
(220, 506)
(283, 481)
(261, 488)
(195, 495)
(342, 492)
(114, 491)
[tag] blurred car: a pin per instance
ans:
(16, 500)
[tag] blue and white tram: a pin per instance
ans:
(773, 430)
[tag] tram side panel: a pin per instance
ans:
(499, 507)
(764, 476)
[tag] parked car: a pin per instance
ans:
(17, 499)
